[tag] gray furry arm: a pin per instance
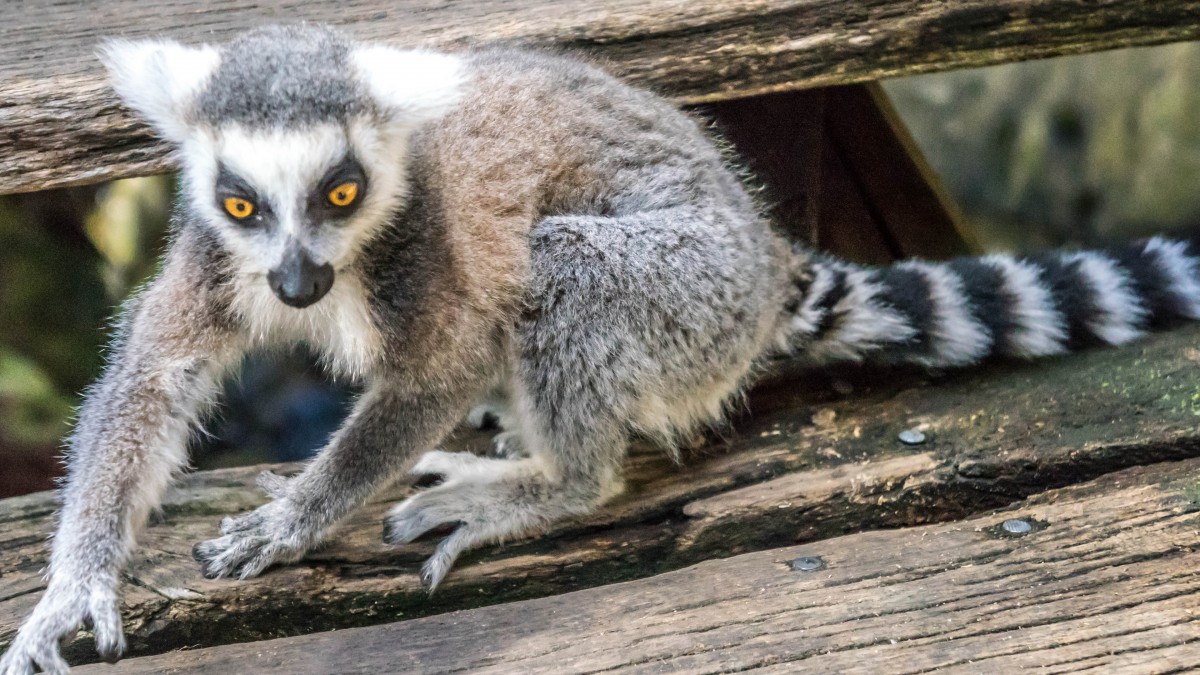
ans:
(131, 437)
(388, 427)
(390, 423)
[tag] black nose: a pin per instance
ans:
(298, 281)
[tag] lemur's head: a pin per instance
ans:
(292, 140)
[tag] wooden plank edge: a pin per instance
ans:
(70, 136)
(1063, 421)
(1101, 574)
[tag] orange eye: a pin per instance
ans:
(238, 208)
(344, 194)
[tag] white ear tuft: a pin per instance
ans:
(414, 86)
(159, 79)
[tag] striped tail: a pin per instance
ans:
(958, 313)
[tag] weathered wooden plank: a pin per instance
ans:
(843, 211)
(1106, 579)
(60, 126)
(805, 466)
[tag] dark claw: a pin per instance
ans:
(204, 559)
(389, 533)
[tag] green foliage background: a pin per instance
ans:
(67, 258)
(1074, 150)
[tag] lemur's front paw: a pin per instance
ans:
(254, 541)
(493, 413)
(64, 609)
(241, 555)
(482, 496)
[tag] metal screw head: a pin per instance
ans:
(1016, 526)
(806, 563)
(912, 437)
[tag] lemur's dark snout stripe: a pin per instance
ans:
(959, 312)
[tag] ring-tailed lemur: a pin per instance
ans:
(441, 226)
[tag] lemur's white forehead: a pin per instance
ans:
(281, 164)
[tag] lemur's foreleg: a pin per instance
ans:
(131, 438)
(388, 425)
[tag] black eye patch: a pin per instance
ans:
(346, 171)
(230, 185)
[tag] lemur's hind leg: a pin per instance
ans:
(637, 322)
(493, 499)
(573, 442)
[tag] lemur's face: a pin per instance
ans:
(293, 141)
(294, 206)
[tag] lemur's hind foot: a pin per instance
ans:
(486, 500)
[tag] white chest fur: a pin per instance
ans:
(339, 327)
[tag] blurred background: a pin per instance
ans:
(1071, 151)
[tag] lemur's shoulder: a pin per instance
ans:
(541, 133)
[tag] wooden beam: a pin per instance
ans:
(915, 212)
(842, 174)
(804, 467)
(1105, 579)
(781, 139)
(59, 125)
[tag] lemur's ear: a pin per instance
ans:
(412, 86)
(159, 79)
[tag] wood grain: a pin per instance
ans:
(1105, 581)
(904, 193)
(802, 467)
(60, 126)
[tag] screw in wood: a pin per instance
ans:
(1017, 526)
(808, 563)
